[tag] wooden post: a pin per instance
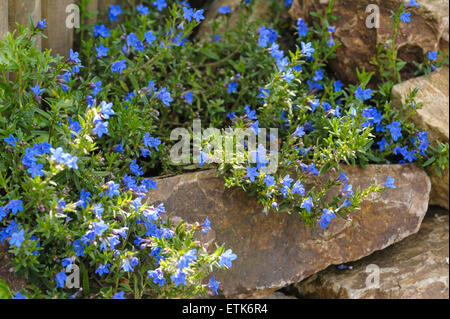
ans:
(59, 33)
(3, 18)
(92, 6)
(18, 11)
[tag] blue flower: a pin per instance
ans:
(318, 75)
(114, 240)
(106, 109)
(252, 172)
(129, 264)
(114, 12)
(74, 126)
(41, 24)
(100, 227)
(390, 182)
(213, 285)
(289, 76)
(19, 296)
(307, 204)
(15, 206)
(363, 95)
(269, 180)
(160, 4)
(432, 55)
(251, 114)
(119, 66)
(143, 10)
(226, 258)
(187, 259)
(198, 15)
(326, 217)
(307, 49)
(84, 198)
(102, 269)
(35, 170)
(60, 279)
(101, 128)
(74, 57)
(206, 226)
(151, 141)
(188, 13)
(164, 96)
(134, 167)
(79, 248)
(179, 278)
(119, 295)
(98, 210)
(37, 91)
(224, 9)
(17, 238)
(298, 188)
(3, 213)
(337, 86)
(382, 144)
(314, 104)
(188, 96)
(232, 87)
(157, 276)
(302, 28)
(266, 36)
(11, 140)
(118, 148)
(405, 17)
(412, 3)
(102, 51)
(396, 130)
(287, 180)
(203, 157)
(113, 189)
(149, 37)
(101, 30)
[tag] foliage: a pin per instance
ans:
(83, 135)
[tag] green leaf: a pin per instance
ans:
(5, 293)
(210, 54)
(430, 160)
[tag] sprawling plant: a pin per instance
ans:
(83, 136)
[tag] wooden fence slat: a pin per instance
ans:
(3, 17)
(18, 11)
(92, 6)
(60, 36)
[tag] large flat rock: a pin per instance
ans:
(277, 250)
(415, 268)
(433, 117)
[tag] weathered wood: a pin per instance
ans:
(59, 33)
(92, 6)
(3, 17)
(18, 11)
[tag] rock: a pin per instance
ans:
(415, 268)
(427, 31)
(434, 117)
(277, 250)
(279, 295)
(14, 281)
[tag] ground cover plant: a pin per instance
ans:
(83, 136)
